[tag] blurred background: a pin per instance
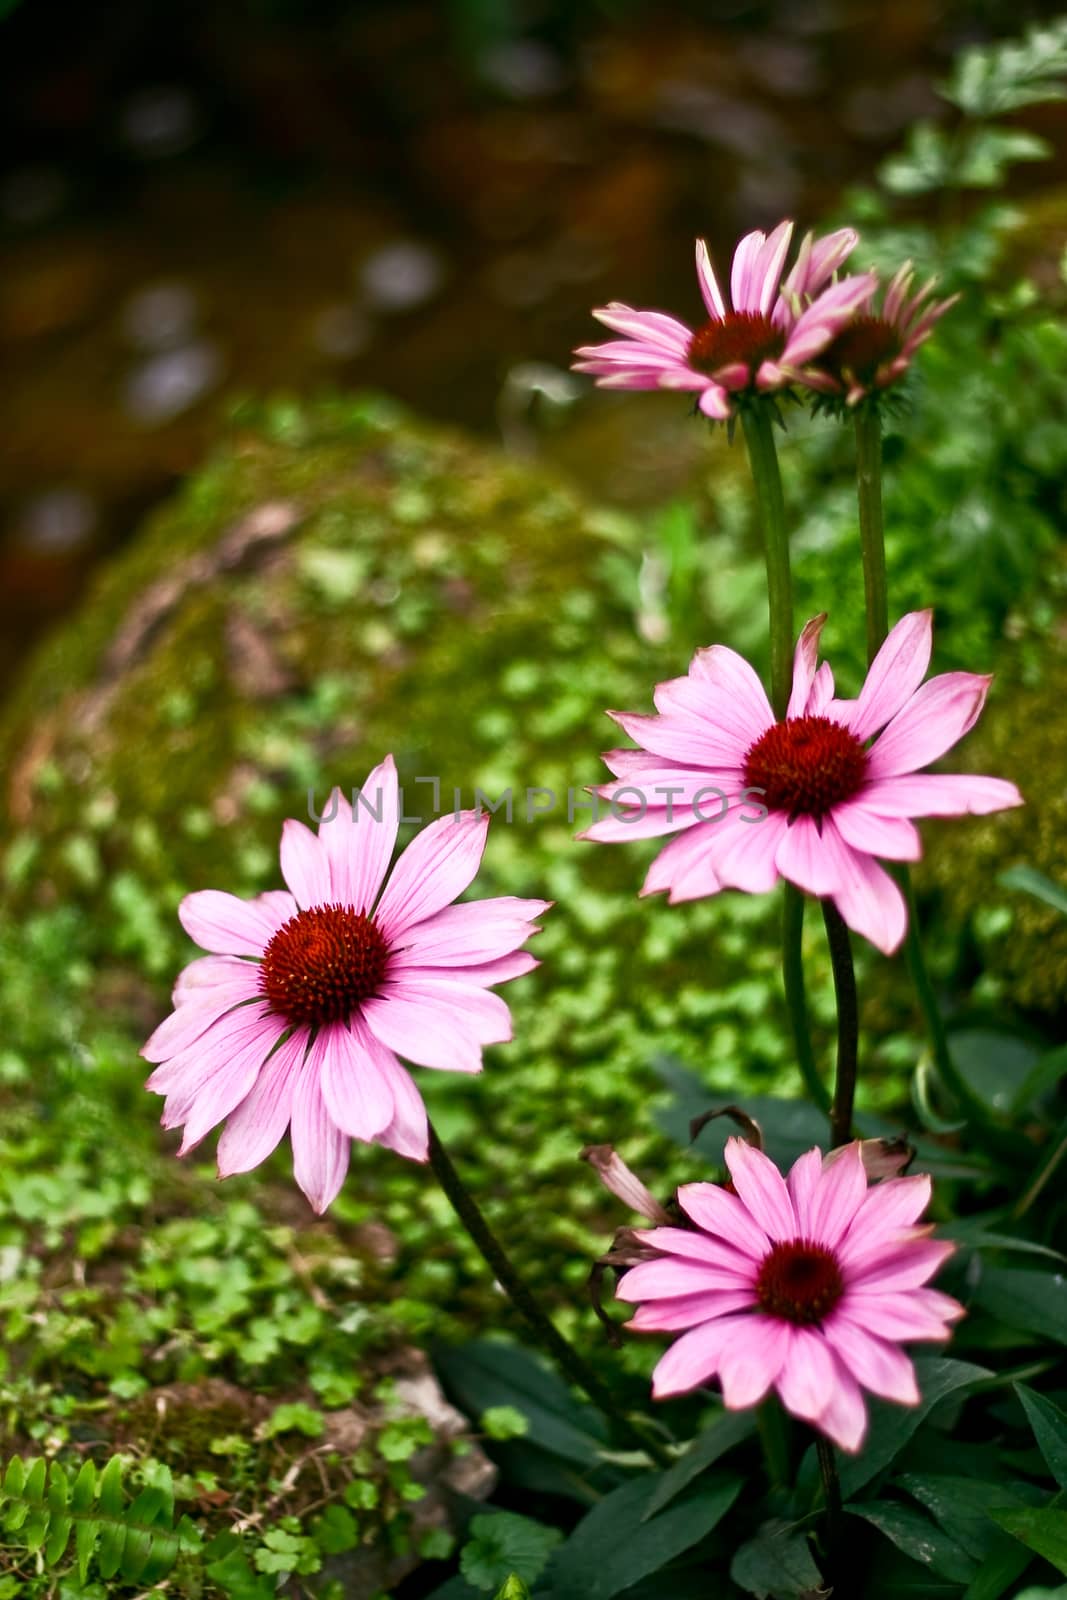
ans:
(200, 200)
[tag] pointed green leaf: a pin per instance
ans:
(1040, 1528)
(85, 1543)
(35, 1481)
(512, 1589)
(35, 1528)
(15, 1476)
(111, 1497)
(112, 1544)
(1050, 1430)
(892, 1427)
(777, 1564)
(84, 1487)
(918, 1537)
(1023, 1298)
(729, 1428)
(961, 1506)
(58, 1535)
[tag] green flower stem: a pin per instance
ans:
(499, 1263)
(868, 423)
(793, 974)
(763, 459)
(831, 1485)
(848, 1025)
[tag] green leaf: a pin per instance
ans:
(977, 1233)
(15, 1476)
(1044, 1075)
(81, 1497)
(295, 1417)
(612, 1548)
(918, 1537)
(1049, 1423)
(923, 166)
(484, 1374)
(35, 1482)
(777, 1564)
(84, 1544)
(503, 1422)
(988, 153)
(1030, 881)
(893, 1426)
(111, 1499)
(729, 1428)
(1042, 1529)
(336, 1531)
(961, 1506)
(503, 1543)
(1031, 1301)
(512, 1588)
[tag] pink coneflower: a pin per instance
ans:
(773, 329)
(806, 1286)
(831, 801)
(875, 349)
(297, 1017)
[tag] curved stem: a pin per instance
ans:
(868, 423)
(796, 1004)
(848, 1024)
(763, 459)
(499, 1263)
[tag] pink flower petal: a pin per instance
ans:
(805, 661)
(211, 1051)
(895, 673)
(438, 864)
(305, 866)
(684, 867)
(903, 1266)
(694, 1246)
(709, 286)
(320, 1149)
(218, 1092)
(838, 1195)
(877, 1365)
(408, 1133)
(825, 318)
(469, 934)
(185, 1025)
(670, 1277)
(761, 1188)
(864, 829)
(740, 705)
(231, 927)
(767, 269)
(886, 1210)
(715, 403)
(844, 1418)
(807, 1374)
(651, 327)
(694, 1358)
(355, 1091)
(806, 856)
(359, 845)
(688, 1310)
(866, 895)
(924, 1314)
(750, 1362)
(421, 1029)
(211, 972)
(744, 295)
(802, 1183)
(822, 692)
(255, 1127)
(938, 714)
(724, 1215)
(940, 794)
(744, 852)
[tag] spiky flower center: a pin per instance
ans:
(861, 349)
(323, 963)
(799, 1282)
(806, 766)
(744, 337)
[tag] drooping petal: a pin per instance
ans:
(229, 926)
(863, 829)
(653, 327)
(886, 1209)
(936, 717)
(355, 1091)
(744, 850)
(824, 319)
(305, 866)
(761, 1188)
(687, 1310)
(671, 1276)
(924, 1314)
(844, 1418)
(320, 1149)
(695, 1246)
(185, 1025)
(807, 1374)
(714, 402)
(209, 1052)
(684, 867)
(408, 1133)
(875, 1363)
(803, 857)
(438, 864)
(866, 896)
(432, 1030)
(895, 673)
(902, 1266)
(694, 1358)
(750, 1363)
(255, 1127)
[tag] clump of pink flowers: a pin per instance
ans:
(299, 1017)
(806, 1285)
(772, 327)
(819, 796)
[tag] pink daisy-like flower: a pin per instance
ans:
(806, 1285)
(297, 1017)
(773, 328)
(875, 349)
(807, 798)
